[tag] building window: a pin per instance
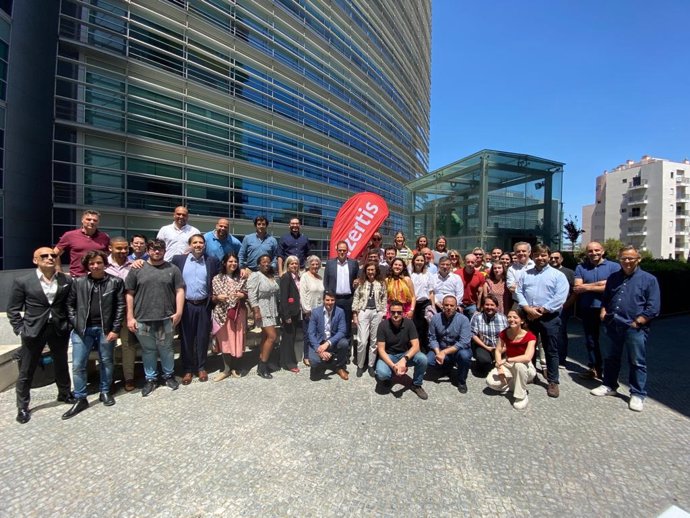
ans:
(623, 211)
(634, 212)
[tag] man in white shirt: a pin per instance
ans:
(177, 234)
(37, 310)
(517, 270)
(446, 283)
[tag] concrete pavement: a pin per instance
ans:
(291, 447)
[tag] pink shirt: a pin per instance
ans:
(77, 243)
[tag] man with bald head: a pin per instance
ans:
(177, 234)
(42, 297)
(220, 242)
(590, 283)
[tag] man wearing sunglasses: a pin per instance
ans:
(398, 347)
(42, 296)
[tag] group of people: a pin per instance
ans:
(388, 310)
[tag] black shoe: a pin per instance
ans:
(67, 398)
(149, 387)
(372, 372)
(421, 393)
(262, 370)
(106, 399)
(360, 371)
(81, 404)
(23, 415)
(316, 373)
(172, 383)
(383, 387)
(462, 388)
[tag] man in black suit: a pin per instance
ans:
(339, 278)
(42, 296)
(198, 271)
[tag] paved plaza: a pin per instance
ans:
(291, 447)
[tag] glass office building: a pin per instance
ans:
(233, 108)
(489, 199)
(5, 12)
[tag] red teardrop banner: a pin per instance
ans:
(357, 221)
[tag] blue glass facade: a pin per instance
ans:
(237, 109)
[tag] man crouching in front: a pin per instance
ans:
(328, 346)
(398, 347)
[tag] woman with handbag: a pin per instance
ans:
(229, 315)
(290, 312)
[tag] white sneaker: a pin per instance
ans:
(636, 403)
(603, 390)
(521, 404)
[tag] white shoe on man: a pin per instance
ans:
(603, 390)
(636, 403)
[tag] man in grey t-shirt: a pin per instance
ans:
(155, 300)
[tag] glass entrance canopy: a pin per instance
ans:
(489, 199)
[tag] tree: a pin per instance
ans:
(613, 247)
(572, 230)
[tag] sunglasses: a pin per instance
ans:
(396, 312)
(46, 256)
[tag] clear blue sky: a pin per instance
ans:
(588, 83)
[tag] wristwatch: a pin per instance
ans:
(407, 359)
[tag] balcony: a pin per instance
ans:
(682, 215)
(638, 201)
(638, 217)
(682, 198)
(637, 185)
(682, 181)
(638, 232)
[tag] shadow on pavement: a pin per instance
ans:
(668, 354)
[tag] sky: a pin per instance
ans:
(588, 83)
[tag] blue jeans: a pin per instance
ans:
(418, 361)
(156, 339)
(81, 348)
(462, 358)
(623, 336)
(470, 310)
(591, 323)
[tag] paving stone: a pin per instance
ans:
(292, 447)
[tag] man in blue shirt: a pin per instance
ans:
(449, 341)
(630, 301)
(220, 242)
(198, 271)
(257, 244)
(541, 294)
(590, 281)
(293, 243)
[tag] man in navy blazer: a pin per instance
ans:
(198, 271)
(339, 277)
(328, 346)
(42, 296)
